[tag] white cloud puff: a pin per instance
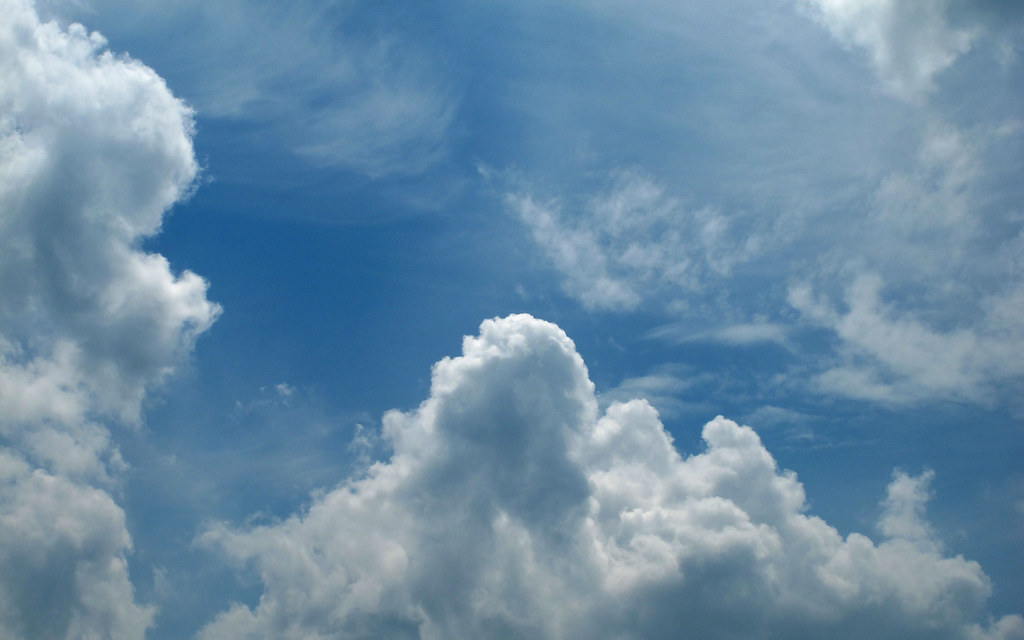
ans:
(511, 507)
(93, 150)
(909, 41)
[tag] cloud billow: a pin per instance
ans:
(512, 507)
(93, 151)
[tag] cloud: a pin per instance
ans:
(335, 91)
(93, 151)
(909, 43)
(63, 548)
(631, 242)
(905, 504)
(512, 507)
(661, 388)
(743, 334)
(926, 261)
(891, 356)
(930, 287)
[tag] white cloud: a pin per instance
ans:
(63, 567)
(284, 390)
(332, 90)
(743, 334)
(929, 282)
(661, 388)
(909, 41)
(905, 508)
(926, 262)
(632, 242)
(512, 507)
(892, 356)
(922, 221)
(93, 150)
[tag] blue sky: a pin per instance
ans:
(395, 319)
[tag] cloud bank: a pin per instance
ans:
(93, 150)
(511, 507)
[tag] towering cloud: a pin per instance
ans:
(93, 150)
(512, 508)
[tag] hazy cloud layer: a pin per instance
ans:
(93, 150)
(511, 507)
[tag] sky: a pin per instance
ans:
(577, 319)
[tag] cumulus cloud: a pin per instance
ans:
(93, 150)
(908, 42)
(513, 507)
(63, 548)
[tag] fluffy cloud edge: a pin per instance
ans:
(511, 507)
(94, 150)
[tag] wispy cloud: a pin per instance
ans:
(632, 242)
(308, 76)
(908, 43)
(670, 390)
(744, 334)
(925, 233)
(893, 357)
